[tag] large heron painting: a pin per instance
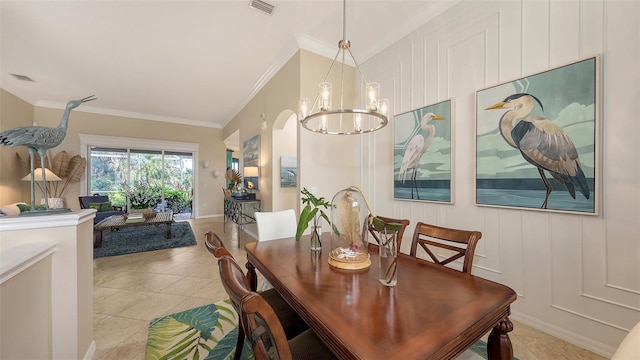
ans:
(536, 141)
(422, 154)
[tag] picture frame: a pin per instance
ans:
(288, 171)
(546, 124)
(251, 157)
(423, 154)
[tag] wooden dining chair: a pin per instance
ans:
(291, 322)
(461, 242)
(215, 245)
(388, 220)
(261, 324)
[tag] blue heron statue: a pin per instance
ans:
(39, 139)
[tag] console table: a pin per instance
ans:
(240, 211)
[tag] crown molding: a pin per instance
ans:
(127, 114)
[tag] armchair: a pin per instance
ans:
(85, 202)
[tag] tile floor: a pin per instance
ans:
(131, 290)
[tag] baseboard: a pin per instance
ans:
(251, 230)
(209, 216)
(568, 336)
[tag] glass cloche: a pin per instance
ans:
(349, 213)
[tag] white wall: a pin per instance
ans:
(577, 277)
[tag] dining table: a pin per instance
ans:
(433, 312)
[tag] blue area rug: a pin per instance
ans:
(209, 332)
(144, 238)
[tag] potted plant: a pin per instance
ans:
(313, 210)
(140, 198)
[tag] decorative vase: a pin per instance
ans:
(316, 238)
(146, 212)
(54, 203)
(388, 252)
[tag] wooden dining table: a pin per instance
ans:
(433, 313)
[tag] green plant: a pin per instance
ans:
(313, 210)
(140, 196)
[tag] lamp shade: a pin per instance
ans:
(38, 175)
(251, 171)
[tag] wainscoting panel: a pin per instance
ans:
(577, 277)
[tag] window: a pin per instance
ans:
(167, 173)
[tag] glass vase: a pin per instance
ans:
(316, 238)
(388, 252)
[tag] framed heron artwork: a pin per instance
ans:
(537, 141)
(422, 154)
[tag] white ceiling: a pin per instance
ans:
(196, 62)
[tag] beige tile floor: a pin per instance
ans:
(131, 290)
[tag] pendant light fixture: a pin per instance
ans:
(320, 116)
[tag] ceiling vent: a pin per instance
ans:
(262, 6)
(22, 77)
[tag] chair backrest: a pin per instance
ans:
(257, 317)
(629, 348)
(276, 224)
(215, 246)
(86, 200)
(427, 235)
(388, 220)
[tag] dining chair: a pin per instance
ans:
(461, 242)
(388, 220)
(215, 245)
(629, 348)
(291, 322)
(276, 224)
(261, 324)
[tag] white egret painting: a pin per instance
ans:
(537, 141)
(422, 154)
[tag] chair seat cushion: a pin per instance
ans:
(291, 322)
(308, 346)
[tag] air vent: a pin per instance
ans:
(22, 77)
(262, 6)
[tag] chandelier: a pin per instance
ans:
(320, 117)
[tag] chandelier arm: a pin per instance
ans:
(331, 67)
(364, 78)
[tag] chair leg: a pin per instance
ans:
(239, 343)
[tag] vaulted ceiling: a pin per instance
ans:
(196, 62)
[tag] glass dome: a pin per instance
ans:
(349, 213)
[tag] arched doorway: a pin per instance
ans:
(285, 168)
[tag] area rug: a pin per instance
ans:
(209, 332)
(144, 238)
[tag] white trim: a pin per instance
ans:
(128, 114)
(136, 143)
(20, 257)
(74, 218)
(88, 140)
